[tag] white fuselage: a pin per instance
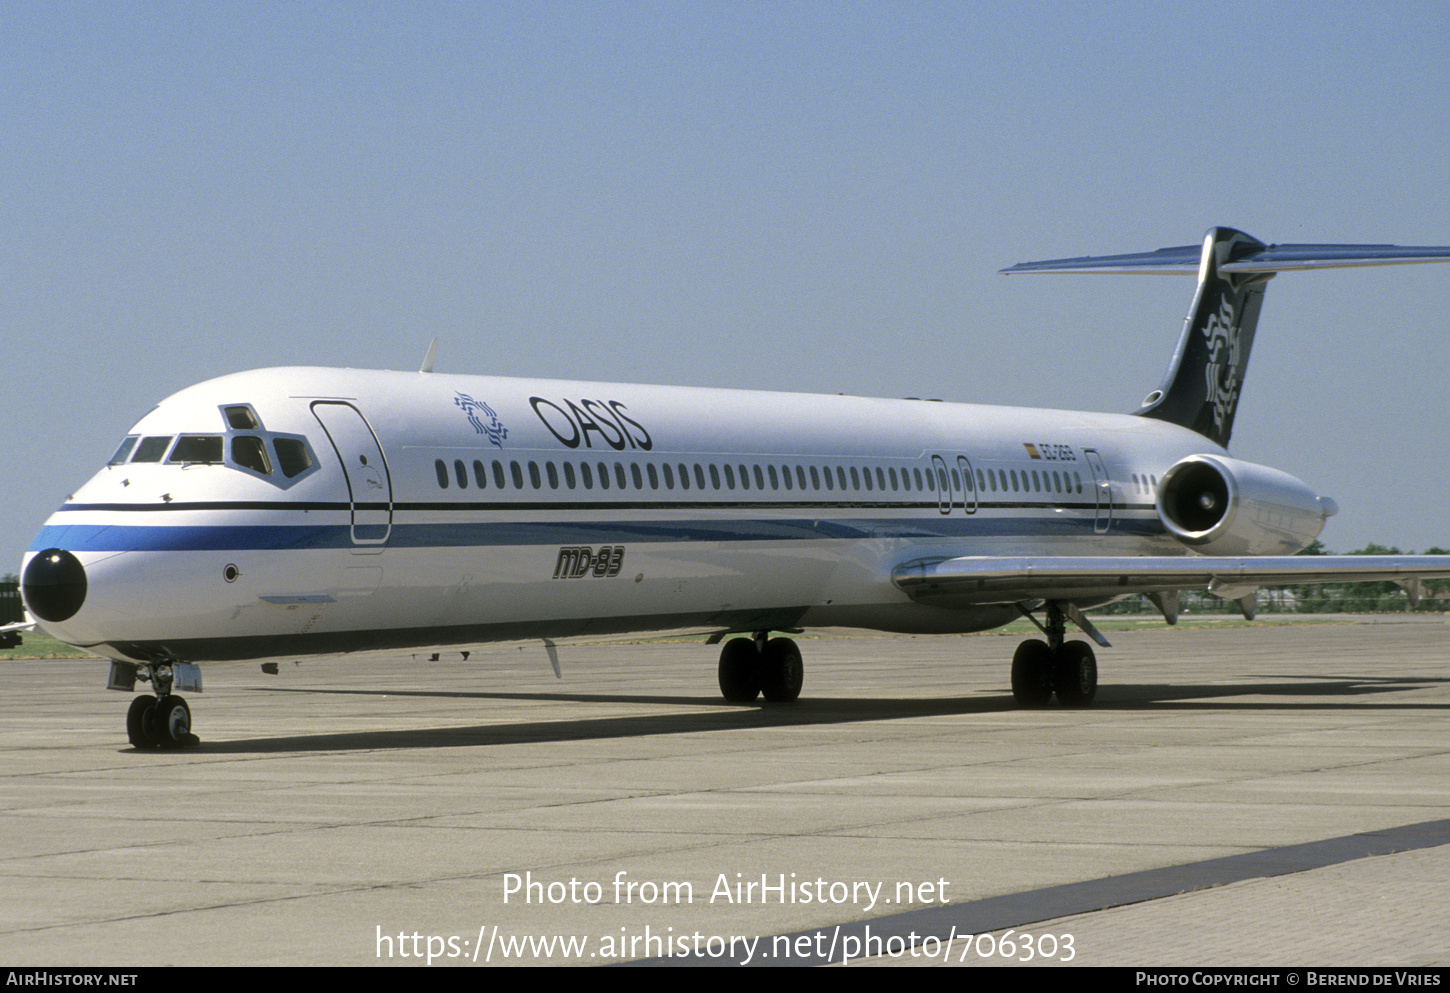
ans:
(354, 509)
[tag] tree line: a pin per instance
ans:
(1319, 598)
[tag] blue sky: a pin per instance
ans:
(781, 196)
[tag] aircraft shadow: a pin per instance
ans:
(1337, 693)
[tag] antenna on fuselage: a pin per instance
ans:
(428, 359)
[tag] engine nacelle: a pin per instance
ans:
(1221, 506)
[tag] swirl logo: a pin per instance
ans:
(1222, 369)
(477, 411)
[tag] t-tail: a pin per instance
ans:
(1205, 378)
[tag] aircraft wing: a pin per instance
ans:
(10, 633)
(974, 580)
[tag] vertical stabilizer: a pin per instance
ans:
(1201, 389)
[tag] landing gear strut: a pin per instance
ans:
(759, 665)
(1067, 668)
(162, 720)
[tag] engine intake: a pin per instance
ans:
(1221, 506)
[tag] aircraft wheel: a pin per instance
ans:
(739, 670)
(1075, 675)
(782, 671)
(1032, 674)
(173, 722)
(141, 723)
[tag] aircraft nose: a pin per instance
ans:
(54, 585)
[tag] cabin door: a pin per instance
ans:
(943, 484)
(1102, 491)
(370, 487)
(969, 493)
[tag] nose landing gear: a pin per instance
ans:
(162, 720)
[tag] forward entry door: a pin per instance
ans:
(370, 487)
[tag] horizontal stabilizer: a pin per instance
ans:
(1205, 378)
(976, 580)
(1185, 259)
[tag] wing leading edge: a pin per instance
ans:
(978, 580)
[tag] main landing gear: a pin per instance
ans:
(761, 665)
(1067, 668)
(163, 719)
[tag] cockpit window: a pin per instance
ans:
(293, 457)
(280, 459)
(249, 453)
(124, 452)
(151, 449)
(242, 418)
(197, 448)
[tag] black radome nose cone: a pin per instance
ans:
(54, 585)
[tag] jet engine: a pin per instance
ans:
(1221, 506)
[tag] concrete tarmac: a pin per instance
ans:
(1262, 795)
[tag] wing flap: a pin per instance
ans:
(976, 580)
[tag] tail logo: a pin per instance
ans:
(494, 429)
(1221, 332)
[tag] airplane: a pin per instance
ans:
(299, 511)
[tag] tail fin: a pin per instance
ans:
(1200, 391)
(1201, 388)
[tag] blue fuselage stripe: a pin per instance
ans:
(217, 537)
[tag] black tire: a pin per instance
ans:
(1032, 674)
(782, 671)
(1075, 674)
(173, 722)
(739, 670)
(141, 723)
